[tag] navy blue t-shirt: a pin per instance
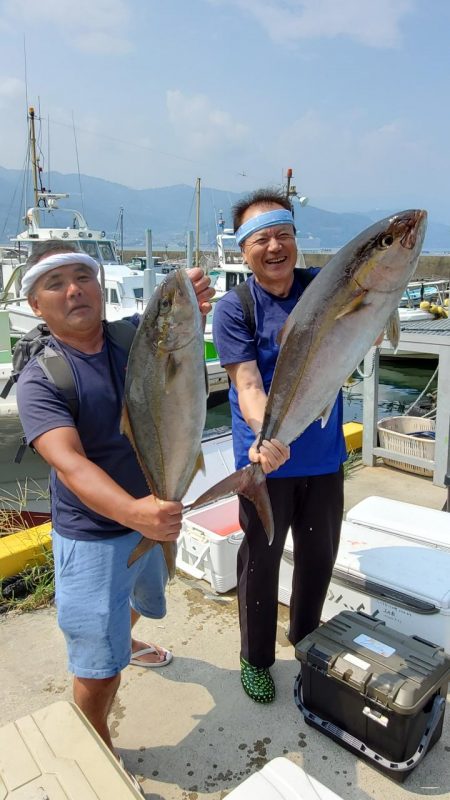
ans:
(99, 380)
(318, 451)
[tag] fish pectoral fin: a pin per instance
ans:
(170, 373)
(325, 415)
(393, 329)
(353, 304)
(249, 481)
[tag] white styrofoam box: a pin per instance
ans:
(209, 542)
(404, 519)
(404, 582)
(281, 779)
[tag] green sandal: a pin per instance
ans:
(257, 682)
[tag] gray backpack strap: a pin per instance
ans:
(57, 369)
(121, 332)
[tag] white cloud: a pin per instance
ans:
(376, 23)
(95, 25)
(347, 158)
(204, 129)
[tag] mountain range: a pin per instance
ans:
(171, 211)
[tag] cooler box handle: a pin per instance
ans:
(359, 747)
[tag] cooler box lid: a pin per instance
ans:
(221, 518)
(389, 560)
(55, 753)
(400, 672)
(281, 779)
(403, 519)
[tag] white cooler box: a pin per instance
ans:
(55, 753)
(281, 779)
(209, 543)
(406, 583)
(404, 519)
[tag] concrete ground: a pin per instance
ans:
(187, 730)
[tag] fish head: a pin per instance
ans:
(384, 257)
(175, 317)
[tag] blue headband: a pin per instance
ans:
(281, 216)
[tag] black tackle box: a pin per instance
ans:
(374, 690)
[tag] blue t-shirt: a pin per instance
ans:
(99, 380)
(318, 451)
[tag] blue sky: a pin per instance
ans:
(352, 94)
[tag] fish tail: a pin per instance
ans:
(170, 555)
(249, 481)
(169, 550)
(142, 546)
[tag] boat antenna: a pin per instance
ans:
(78, 164)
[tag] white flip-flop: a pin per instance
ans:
(168, 656)
(132, 777)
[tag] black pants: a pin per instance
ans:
(312, 507)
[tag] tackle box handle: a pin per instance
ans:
(359, 747)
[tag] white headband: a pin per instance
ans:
(56, 260)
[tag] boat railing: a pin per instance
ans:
(12, 281)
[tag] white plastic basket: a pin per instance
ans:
(395, 434)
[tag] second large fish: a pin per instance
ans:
(333, 325)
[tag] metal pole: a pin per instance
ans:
(149, 271)
(197, 256)
(190, 249)
(34, 157)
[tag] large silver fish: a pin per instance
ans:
(165, 397)
(334, 324)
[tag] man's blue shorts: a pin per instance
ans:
(94, 591)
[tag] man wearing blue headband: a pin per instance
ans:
(306, 480)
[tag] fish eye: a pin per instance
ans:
(385, 241)
(164, 305)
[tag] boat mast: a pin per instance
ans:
(197, 253)
(34, 157)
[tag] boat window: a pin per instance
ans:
(107, 251)
(231, 280)
(90, 248)
(138, 293)
(114, 297)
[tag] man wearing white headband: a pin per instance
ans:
(100, 500)
(306, 480)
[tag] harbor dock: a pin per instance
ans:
(187, 730)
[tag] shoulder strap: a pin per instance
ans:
(246, 299)
(121, 332)
(57, 369)
(248, 306)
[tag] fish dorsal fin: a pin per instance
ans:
(393, 329)
(353, 304)
(125, 428)
(325, 415)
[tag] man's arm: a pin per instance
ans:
(252, 401)
(154, 518)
